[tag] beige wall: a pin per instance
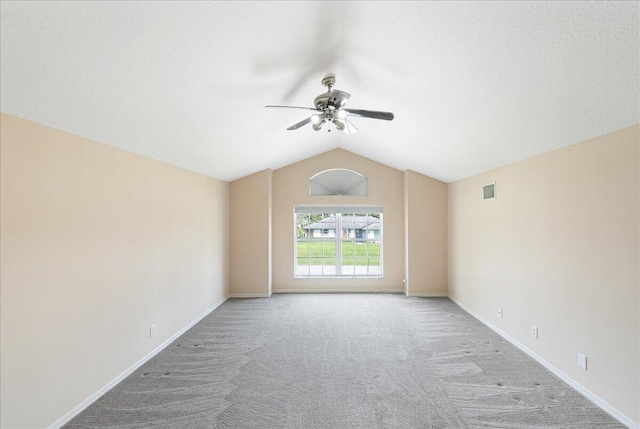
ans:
(558, 249)
(97, 245)
(291, 188)
(250, 229)
(426, 235)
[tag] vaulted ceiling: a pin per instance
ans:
(473, 85)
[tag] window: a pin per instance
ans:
(338, 241)
(338, 181)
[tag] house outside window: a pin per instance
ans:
(338, 241)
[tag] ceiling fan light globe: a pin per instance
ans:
(341, 114)
(315, 119)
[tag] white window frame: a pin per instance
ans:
(339, 211)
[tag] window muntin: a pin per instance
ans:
(338, 241)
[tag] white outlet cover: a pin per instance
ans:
(582, 361)
(534, 332)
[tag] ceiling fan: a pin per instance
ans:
(330, 109)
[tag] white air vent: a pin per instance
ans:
(489, 191)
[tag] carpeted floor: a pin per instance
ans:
(342, 361)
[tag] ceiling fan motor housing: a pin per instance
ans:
(333, 100)
(322, 100)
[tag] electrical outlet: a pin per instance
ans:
(534, 332)
(582, 361)
(500, 314)
(152, 330)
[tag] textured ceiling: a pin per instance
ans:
(473, 85)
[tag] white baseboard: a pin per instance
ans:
(564, 377)
(586, 393)
(429, 295)
(249, 295)
(340, 290)
(91, 399)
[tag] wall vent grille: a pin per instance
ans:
(489, 191)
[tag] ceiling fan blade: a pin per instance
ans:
(292, 107)
(300, 124)
(349, 128)
(387, 116)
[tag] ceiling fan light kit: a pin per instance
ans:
(330, 108)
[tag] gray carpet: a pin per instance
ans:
(342, 361)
